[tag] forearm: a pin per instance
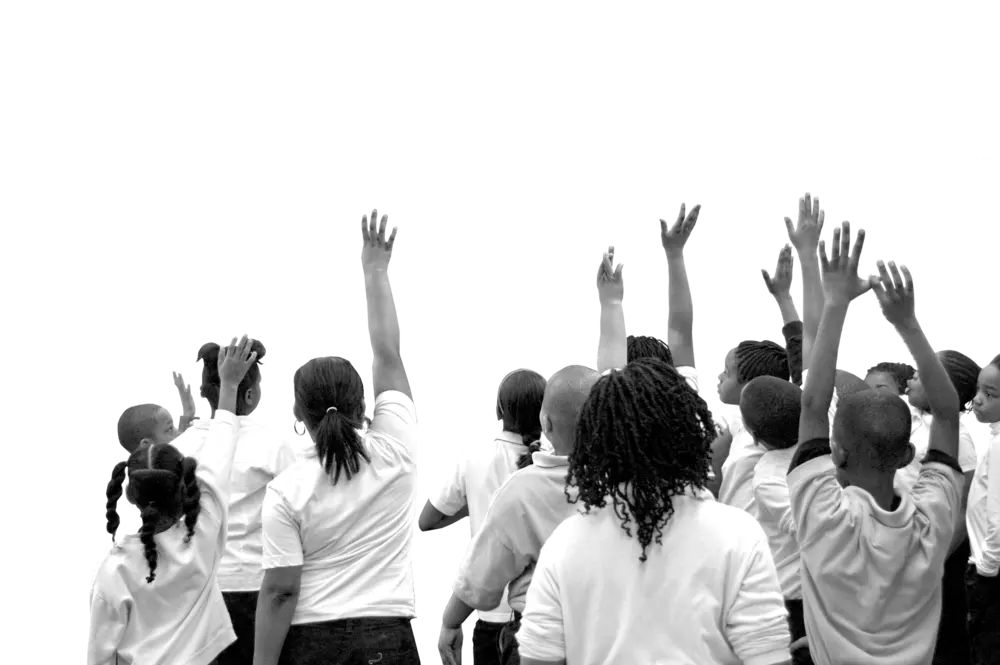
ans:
(448, 520)
(274, 617)
(818, 391)
(792, 332)
(185, 423)
(612, 351)
(455, 613)
(941, 394)
(383, 326)
(961, 532)
(680, 317)
(813, 300)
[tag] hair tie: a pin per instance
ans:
(332, 408)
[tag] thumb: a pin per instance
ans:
(767, 279)
(618, 271)
(789, 226)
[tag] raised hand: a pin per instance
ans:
(610, 286)
(377, 250)
(781, 284)
(804, 235)
(895, 294)
(187, 402)
(841, 283)
(235, 360)
(676, 236)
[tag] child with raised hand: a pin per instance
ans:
(983, 521)
(780, 286)
(871, 560)
(156, 599)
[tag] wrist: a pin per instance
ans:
(783, 297)
(674, 254)
(907, 326)
(613, 302)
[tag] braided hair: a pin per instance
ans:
(163, 485)
(648, 347)
(900, 372)
(642, 438)
(754, 359)
(211, 383)
(526, 459)
(964, 374)
(519, 403)
(328, 382)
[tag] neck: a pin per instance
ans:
(879, 485)
(562, 443)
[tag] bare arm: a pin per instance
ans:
(612, 350)
(432, 519)
(780, 287)
(680, 317)
(804, 236)
(276, 603)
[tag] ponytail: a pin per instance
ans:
(150, 518)
(533, 447)
(115, 493)
(339, 446)
(191, 495)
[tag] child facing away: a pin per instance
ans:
(156, 599)
(871, 560)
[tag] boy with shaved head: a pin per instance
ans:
(523, 514)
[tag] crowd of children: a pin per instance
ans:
(614, 519)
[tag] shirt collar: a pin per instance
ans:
(995, 428)
(895, 519)
(510, 437)
(547, 460)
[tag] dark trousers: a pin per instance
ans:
(361, 641)
(242, 606)
(952, 646)
(486, 643)
(983, 595)
(797, 627)
(509, 653)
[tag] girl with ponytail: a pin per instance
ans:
(156, 599)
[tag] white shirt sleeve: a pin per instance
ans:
(967, 458)
(757, 621)
(451, 497)
(215, 465)
(396, 416)
(690, 375)
(284, 457)
(541, 636)
(107, 626)
(282, 540)
(771, 495)
(937, 501)
(990, 559)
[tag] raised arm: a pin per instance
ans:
(895, 296)
(680, 319)
(383, 326)
(612, 350)
(804, 237)
(780, 286)
(187, 403)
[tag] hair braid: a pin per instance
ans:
(525, 460)
(765, 358)
(964, 374)
(191, 498)
(648, 347)
(150, 518)
(642, 438)
(114, 493)
(900, 372)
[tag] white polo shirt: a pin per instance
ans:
(920, 435)
(474, 481)
(983, 515)
(774, 512)
(871, 578)
(708, 594)
(180, 617)
(353, 539)
(260, 456)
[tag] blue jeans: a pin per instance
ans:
(361, 641)
(486, 643)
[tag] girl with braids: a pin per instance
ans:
(648, 544)
(156, 600)
(983, 520)
(476, 477)
(890, 378)
(338, 525)
(260, 457)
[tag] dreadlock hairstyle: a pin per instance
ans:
(900, 372)
(330, 400)
(754, 359)
(964, 374)
(137, 423)
(519, 405)
(163, 485)
(642, 438)
(211, 384)
(648, 347)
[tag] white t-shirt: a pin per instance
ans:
(983, 515)
(474, 481)
(353, 539)
(180, 617)
(708, 594)
(774, 512)
(260, 456)
(871, 578)
(736, 489)
(920, 437)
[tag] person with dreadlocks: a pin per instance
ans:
(616, 582)
(478, 474)
(156, 598)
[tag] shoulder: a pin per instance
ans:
(397, 403)
(298, 479)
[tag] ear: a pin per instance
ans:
(295, 412)
(838, 455)
(248, 397)
(908, 456)
(546, 424)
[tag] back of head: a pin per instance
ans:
(163, 485)
(900, 373)
(996, 362)
(330, 400)
(643, 437)
(519, 401)
(565, 394)
(138, 423)
(648, 347)
(755, 359)
(873, 429)
(964, 374)
(771, 408)
(847, 384)
(211, 384)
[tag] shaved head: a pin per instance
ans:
(848, 384)
(565, 394)
(873, 431)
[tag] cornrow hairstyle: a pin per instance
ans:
(333, 382)
(162, 484)
(765, 358)
(519, 403)
(642, 438)
(771, 408)
(526, 460)
(648, 347)
(900, 372)
(211, 383)
(964, 374)
(137, 423)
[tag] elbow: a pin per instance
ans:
(425, 524)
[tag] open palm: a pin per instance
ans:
(377, 249)
(841, 283)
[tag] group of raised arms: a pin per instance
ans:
(614, 519)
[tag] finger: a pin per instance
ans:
(897, 279)
(606, 265)
(392, 240)
(381, 230)
(883, 276)
(364, 229)
(618, 272)
(767, 280)
(859, 244)
(819, 224)
(876, 283)
(252, 358)
(815, 208)
(247, 347)
(693, 215)
(907, 281)
(845, 242)
(835, 248)
(373, 226)
(824, 263)
(789, 226)
(805, 204)
(663, 228)
(680, 216)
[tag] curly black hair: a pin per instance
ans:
(648, 347)
(900, 372)
(642, 438)
(162, 484)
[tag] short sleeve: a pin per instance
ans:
(451, 497)
(771, 497)
(937, 498)
(967, 457)
(282, 539)
(395, 416)
(107, 626)
(284, 457)
(757, 621)
(542, 636)
(816, 498)
(690, 375)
